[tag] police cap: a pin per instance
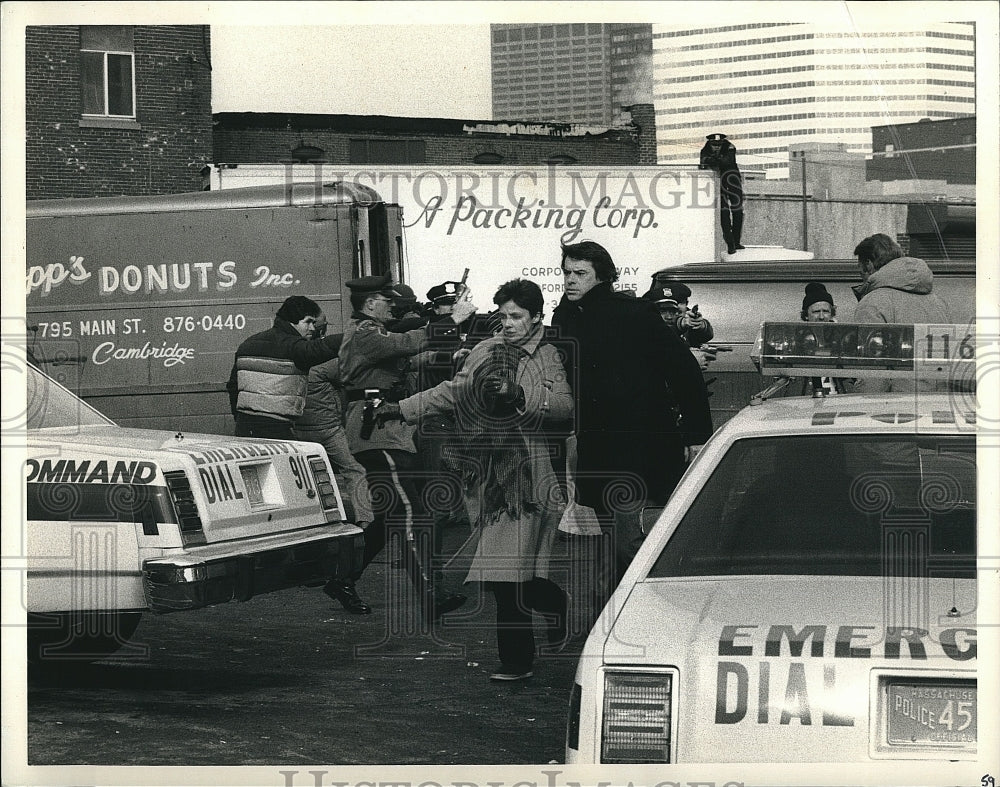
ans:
(668, 291)
(446, 292)
(373, 285)
(716, 137)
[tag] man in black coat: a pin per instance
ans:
(719, 154)
(627, 369)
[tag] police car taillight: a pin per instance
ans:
(185, 506)
(868, 350)
(324, 483)
(637, 722)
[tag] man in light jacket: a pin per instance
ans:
(896, 289)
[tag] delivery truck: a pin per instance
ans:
(507, 222)
(139, 303)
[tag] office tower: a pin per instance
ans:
(574, 73)
(772, 85)
(631, 66)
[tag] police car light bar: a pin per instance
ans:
(832, 349)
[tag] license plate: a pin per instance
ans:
(255, 492)
(932, 712)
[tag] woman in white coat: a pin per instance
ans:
(509, 386)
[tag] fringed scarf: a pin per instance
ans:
(495, 454)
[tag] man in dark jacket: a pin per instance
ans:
(625, 367)
(267, 385)
(719, 154)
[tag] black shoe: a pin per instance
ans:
(446, 604)
(739, 246)
(347, 595)
(731, 248)
(506, 674)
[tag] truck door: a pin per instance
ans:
(379, 244)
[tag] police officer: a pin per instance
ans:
(719, 154)
(442, 297)
(374, 363)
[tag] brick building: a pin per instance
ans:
(264, 137)
(117, 110)
(943, 150)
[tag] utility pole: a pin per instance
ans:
(805, 207)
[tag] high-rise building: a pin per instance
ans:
(575, 73)
(772, 85)
(631, 66)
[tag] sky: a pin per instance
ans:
(353, 69)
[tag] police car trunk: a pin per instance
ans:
(132, 519)
(808, 595)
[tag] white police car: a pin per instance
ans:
(809, 593)
(120, 521)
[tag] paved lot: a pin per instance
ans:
(291, 679)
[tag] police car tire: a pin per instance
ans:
(60, 639)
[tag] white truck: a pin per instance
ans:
(503, 223)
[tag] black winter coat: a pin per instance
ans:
(621, 359)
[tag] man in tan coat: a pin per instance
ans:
(373, 363)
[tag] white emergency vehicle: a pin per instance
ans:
(809, 592)
(120, 521)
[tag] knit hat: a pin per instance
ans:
(816, 293)
(404, 294)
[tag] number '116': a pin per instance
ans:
(966, 348)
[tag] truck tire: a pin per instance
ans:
(60, 638)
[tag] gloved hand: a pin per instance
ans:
(462, 310)
(502, 390)
(388, 411)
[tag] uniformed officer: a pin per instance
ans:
(443, 297)
(374, 363)
(719, 154)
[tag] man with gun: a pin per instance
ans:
(373, 365)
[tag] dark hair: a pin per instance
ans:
(595, 254)
(878, 249)
(524, 293)
(298, 306)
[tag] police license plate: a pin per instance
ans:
(932, 712)
(251, 480)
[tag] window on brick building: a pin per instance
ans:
(107, 71)
(387, 151)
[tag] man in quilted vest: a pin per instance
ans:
(267, 385)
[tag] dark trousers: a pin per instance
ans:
(258, 426)
(731, 207)
(515, 603)
(399, 514)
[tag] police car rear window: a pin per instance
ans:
(833, 505)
